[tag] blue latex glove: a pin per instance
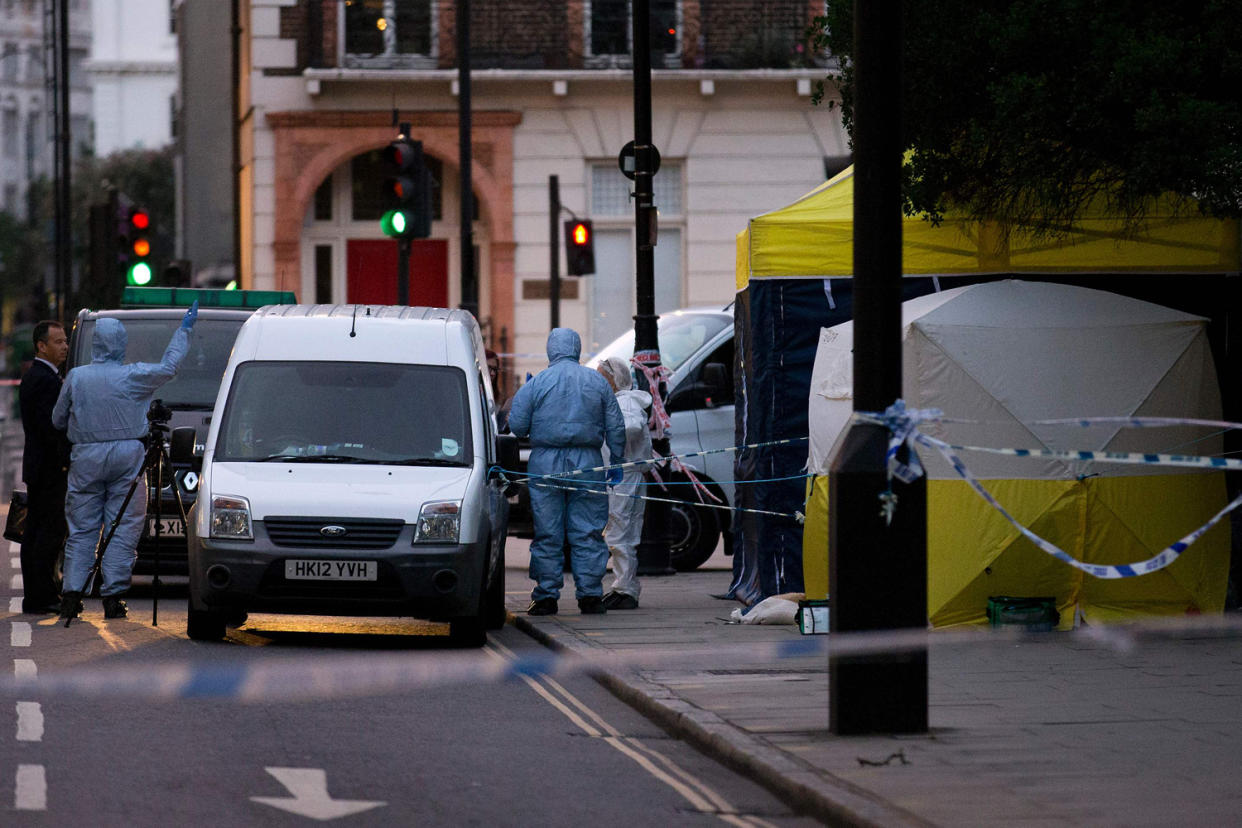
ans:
(191, 315)
(614, 476)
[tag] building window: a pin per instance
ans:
(8, 133)
(610, 190)
(323, 273)
(610, 32)
(390, 33)
(323, 200)
(8, 63)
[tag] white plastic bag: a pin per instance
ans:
(775, 610)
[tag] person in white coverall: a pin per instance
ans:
(625, 512)
(104, 407)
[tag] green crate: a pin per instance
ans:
(1035, 614)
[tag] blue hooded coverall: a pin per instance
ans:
(568, 411)
(104, 405)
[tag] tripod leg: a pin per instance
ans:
(158, 451)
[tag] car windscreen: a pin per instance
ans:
(198, 379)
(346, 412)
(681, 337)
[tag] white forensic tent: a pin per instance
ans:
(1005, 354)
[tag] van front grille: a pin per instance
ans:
(325, 532)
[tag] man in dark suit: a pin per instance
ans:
(45, 462)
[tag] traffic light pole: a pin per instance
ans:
(554, 263)
(654, 554)
(403, 270)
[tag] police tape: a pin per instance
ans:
(903, 423)
(586, 487)
(294, 679)
(638, 464)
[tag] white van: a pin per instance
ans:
(346, 472)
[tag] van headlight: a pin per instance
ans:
(230, 518)
(438, 522)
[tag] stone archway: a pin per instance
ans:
(309, 145)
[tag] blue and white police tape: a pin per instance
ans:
(637, 464)
(585, 486)
(903, 425)
(298, 679)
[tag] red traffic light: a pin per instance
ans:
(581, 234)
(140, 219)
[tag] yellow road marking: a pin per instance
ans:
(698, 793)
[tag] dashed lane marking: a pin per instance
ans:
(24, 669)
(16, 582)
(698, 793)
(15, 604)
(30, 789)
(16, 563)
(19, 635)
(29, 722)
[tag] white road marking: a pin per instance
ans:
(30, 791)
(309, 787)
(19, 636)
(29, 722)
(16, 563)
(24, 669)
(16, 582)
(691, 788)
(15, 603)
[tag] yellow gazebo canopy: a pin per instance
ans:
(813, 238)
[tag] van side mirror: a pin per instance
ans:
(181, 445)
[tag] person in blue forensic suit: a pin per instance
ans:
(568, 411)
(104, 406)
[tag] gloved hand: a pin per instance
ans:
(614, 476)
(191, 315)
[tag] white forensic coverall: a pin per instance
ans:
(625, 512)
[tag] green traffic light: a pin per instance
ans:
(395, 223)
(139, 274)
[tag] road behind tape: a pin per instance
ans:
(310, 677)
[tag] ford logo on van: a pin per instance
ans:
(333, 531)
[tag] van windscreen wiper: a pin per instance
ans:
(312, 458)
(424, 461)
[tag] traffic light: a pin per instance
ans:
(408, 190)
(579, 247)
(139, 247)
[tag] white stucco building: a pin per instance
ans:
(133, 69)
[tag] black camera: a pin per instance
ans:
(159, 413)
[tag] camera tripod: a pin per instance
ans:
(156, 461)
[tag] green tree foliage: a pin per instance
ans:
(1028, 111)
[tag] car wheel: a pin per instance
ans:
(495, 600)
(694, 531)
(204, 625)
(471, 630)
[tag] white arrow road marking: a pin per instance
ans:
(309, 787)
(30, 791)
(19, 636)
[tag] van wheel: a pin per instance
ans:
(694, 531)
(204, 625)
(495, 600)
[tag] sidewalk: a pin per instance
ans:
(1052, 730)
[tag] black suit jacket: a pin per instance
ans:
(46, 454)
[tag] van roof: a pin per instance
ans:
(375, 311)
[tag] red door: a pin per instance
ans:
(371, 271)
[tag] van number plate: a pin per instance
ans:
(301, 570)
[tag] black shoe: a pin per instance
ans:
(543, 606)
(71, 605)
(114, 607)
(620, 601)
(40, 609)
(592, 605)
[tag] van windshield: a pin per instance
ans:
(198, 379)
(681, 337)
(346, 412)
